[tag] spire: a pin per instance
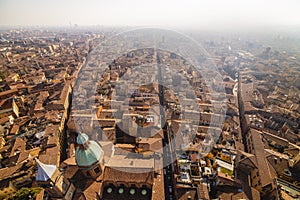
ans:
(45, 172)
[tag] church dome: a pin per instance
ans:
(88, 152)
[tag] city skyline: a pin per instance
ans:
(149, 100)
(196, 14)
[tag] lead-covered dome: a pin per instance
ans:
(88, 152)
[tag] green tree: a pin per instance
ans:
(26, 193)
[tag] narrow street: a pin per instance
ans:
(168, 150)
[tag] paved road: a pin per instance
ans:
(168, 151)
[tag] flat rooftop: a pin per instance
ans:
(125, 161)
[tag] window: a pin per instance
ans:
(71, 194)
(88, 173)
(121, 190)
(97, 170)
(132, 191)
(109, 190)
(64, 186)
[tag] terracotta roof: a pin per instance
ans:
(7, 92)
(3, 120)
(40, 195)
(5, 148)
(6, 103)
(68, 162)
(23, 156)
(53, 116)
(158, 191)
(293, 151)
(115, 175)
(19, 145)
(279, 140)
(260, 157)
(254, 193)
(70, 171)
(232, 196)
(203, 191)
(51, 130)
(248, 159)
(155, 144)
(8, 171)
(93, 190)
(184, 193)
(51, 156)
(15, 129)
(65, 91)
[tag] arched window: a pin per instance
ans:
(144, 191)
(121, 190)
(132, 191)
(109, 190)
(97, 170)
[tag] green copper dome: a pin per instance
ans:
(82, 138)
(88, 153)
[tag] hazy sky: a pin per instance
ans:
(193, 13)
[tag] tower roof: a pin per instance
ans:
(45, 172)
(91, 153)
(82, 138)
